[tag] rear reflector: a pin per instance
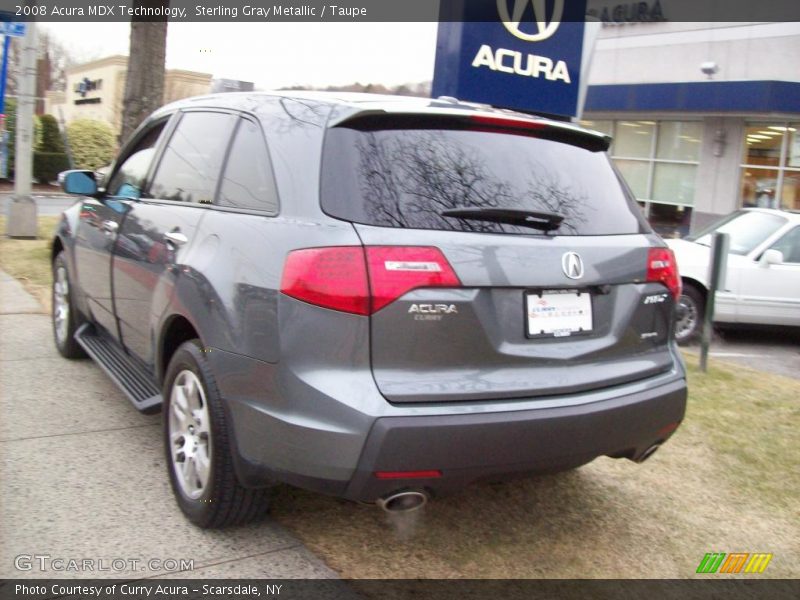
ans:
(396, 270)
(667, 429)
(662, 268)
(408, 474)
(363, 280)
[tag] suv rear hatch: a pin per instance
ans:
(511, 259)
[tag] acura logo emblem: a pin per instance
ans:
(572, 264)
(544, 27)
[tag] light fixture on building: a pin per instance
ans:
(720, 141)
(710, 68)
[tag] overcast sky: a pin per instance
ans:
(275, 55)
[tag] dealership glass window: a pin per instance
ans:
(659, 161)
(790, 190)
(670, 220)
(758, 187)
(636, 173)
(673, 183)
(770, 174)
(679, 140)
(634, 139)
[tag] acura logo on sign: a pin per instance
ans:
(572, 264)
(544, 27)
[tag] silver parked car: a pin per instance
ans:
(378, 298)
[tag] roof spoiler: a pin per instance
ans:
(472, 120)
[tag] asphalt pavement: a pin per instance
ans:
(83, 476)
(770, 349)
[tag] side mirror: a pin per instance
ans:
(771, 257)
(79, 182)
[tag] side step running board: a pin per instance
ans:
(124, 371)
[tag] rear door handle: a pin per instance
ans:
(176, 238)
(110, 226)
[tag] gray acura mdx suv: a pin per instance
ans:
(378, 298)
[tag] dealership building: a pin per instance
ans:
(705, 116)
(95, 90)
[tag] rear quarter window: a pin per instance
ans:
(247, 181)
(407, 177)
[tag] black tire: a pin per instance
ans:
(64, 317)
(689, 315)
(221, 501)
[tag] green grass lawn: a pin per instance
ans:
(752, 420)
(29, 260)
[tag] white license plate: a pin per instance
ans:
(559, 313)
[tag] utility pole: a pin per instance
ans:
(3, 78)
(22, 214)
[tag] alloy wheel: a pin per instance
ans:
(190, 434)
(61, 304)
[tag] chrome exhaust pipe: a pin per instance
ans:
(648, 453)
(403, 502)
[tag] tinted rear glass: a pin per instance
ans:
(407, 177)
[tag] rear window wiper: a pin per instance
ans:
(544, 221)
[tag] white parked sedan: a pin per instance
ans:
(762, 282)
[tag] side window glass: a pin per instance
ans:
(789, 245)
(128, 181)
(248, 181)
(190, 166)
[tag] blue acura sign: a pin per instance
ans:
(522, 54)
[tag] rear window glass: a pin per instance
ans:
(407, 177)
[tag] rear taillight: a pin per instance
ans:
(363, 280)
(662, 268)
(331, 277)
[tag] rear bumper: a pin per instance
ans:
(469, 448)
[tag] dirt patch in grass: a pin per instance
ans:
(29, 260)
(727, 481)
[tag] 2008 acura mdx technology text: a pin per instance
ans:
(378, 298)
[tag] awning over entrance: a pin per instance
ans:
(697, 96)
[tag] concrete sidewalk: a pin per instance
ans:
(83, 473)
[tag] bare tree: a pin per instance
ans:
(59, 59)
(144, 86)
